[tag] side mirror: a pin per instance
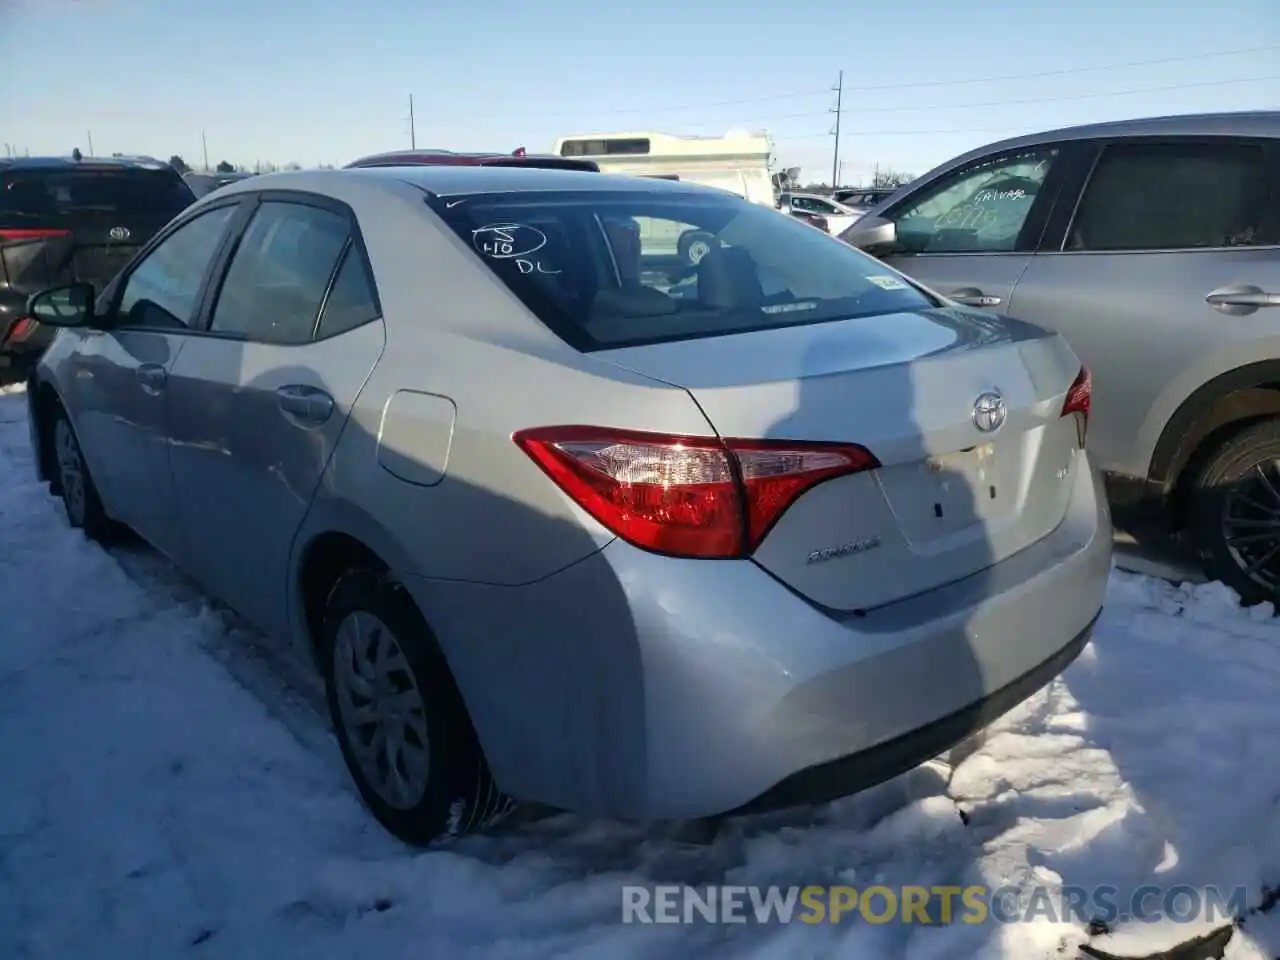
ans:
(69, 306)
(870, 233)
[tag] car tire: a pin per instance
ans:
(1235, 494)
(399, 717)
(75, 485)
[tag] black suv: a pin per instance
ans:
(67, 219)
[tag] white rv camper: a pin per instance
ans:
(737, 162)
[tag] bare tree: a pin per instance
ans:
(890, 179)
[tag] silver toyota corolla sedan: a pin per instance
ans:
(562, 517)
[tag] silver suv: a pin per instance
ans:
(1153, 246)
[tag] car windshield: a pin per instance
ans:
(54, 197)
(608, 269)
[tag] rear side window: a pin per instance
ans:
(1167, 196)
(351, 302)
(278, 276)
(615, 268)
(64, 197)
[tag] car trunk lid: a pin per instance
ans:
(949, 497)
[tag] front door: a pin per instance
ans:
(969, 235)
(121, 375)
(1168, 264)
(259, 402)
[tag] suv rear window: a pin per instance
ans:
(607, 269)
(59, 197)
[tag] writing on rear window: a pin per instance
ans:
(508, 241)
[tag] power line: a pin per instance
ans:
(1071, 71)
(990, 78)
(1035, 100)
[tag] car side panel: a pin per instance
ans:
(1140, 322)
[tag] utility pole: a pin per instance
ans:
(413, 130)
(89, 134)
(204, 143)
(835, 157)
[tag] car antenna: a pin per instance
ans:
(76, 155)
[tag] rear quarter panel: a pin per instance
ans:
(481, 511)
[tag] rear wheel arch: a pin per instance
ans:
(1215, 410)
(324, 560)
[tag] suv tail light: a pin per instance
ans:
(20, 330)
(686, 496)
(1078, 400)
(22, 234)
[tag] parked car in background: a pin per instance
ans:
(450, 158)
(1153, 246)
(565, 518)
(67, 219)
(202, 183)
(861, 200)
(812, 219)
(837, 216)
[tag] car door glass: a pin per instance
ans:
(280, 272)
(1168, 196)
(163, 290)
(981, 209)
(351, 302)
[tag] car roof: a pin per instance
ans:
(448, 181)
(1241, 123)
(71, 163)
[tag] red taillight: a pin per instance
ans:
(6, 234)
(1079, 397)
(686, 496)
(20, 330)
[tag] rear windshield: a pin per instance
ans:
(612, 269)
(61, 197)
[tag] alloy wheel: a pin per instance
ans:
(382, 711)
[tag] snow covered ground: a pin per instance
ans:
(168, 787)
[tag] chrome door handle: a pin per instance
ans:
(1241, 299)
(973, 297)
(152, 377)
(305, 405)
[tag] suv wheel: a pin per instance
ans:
(399, 718)
(1235, 512)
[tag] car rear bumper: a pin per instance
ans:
(634, 685)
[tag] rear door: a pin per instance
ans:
(257, 404)
(1167, 259)
(970, 233)
(82, 222)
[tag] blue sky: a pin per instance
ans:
(324, 81)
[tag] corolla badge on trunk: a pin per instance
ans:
(989, 411)
(118, 233)
(843, 550)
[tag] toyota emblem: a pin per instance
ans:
(989, 411)
(119, 233)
